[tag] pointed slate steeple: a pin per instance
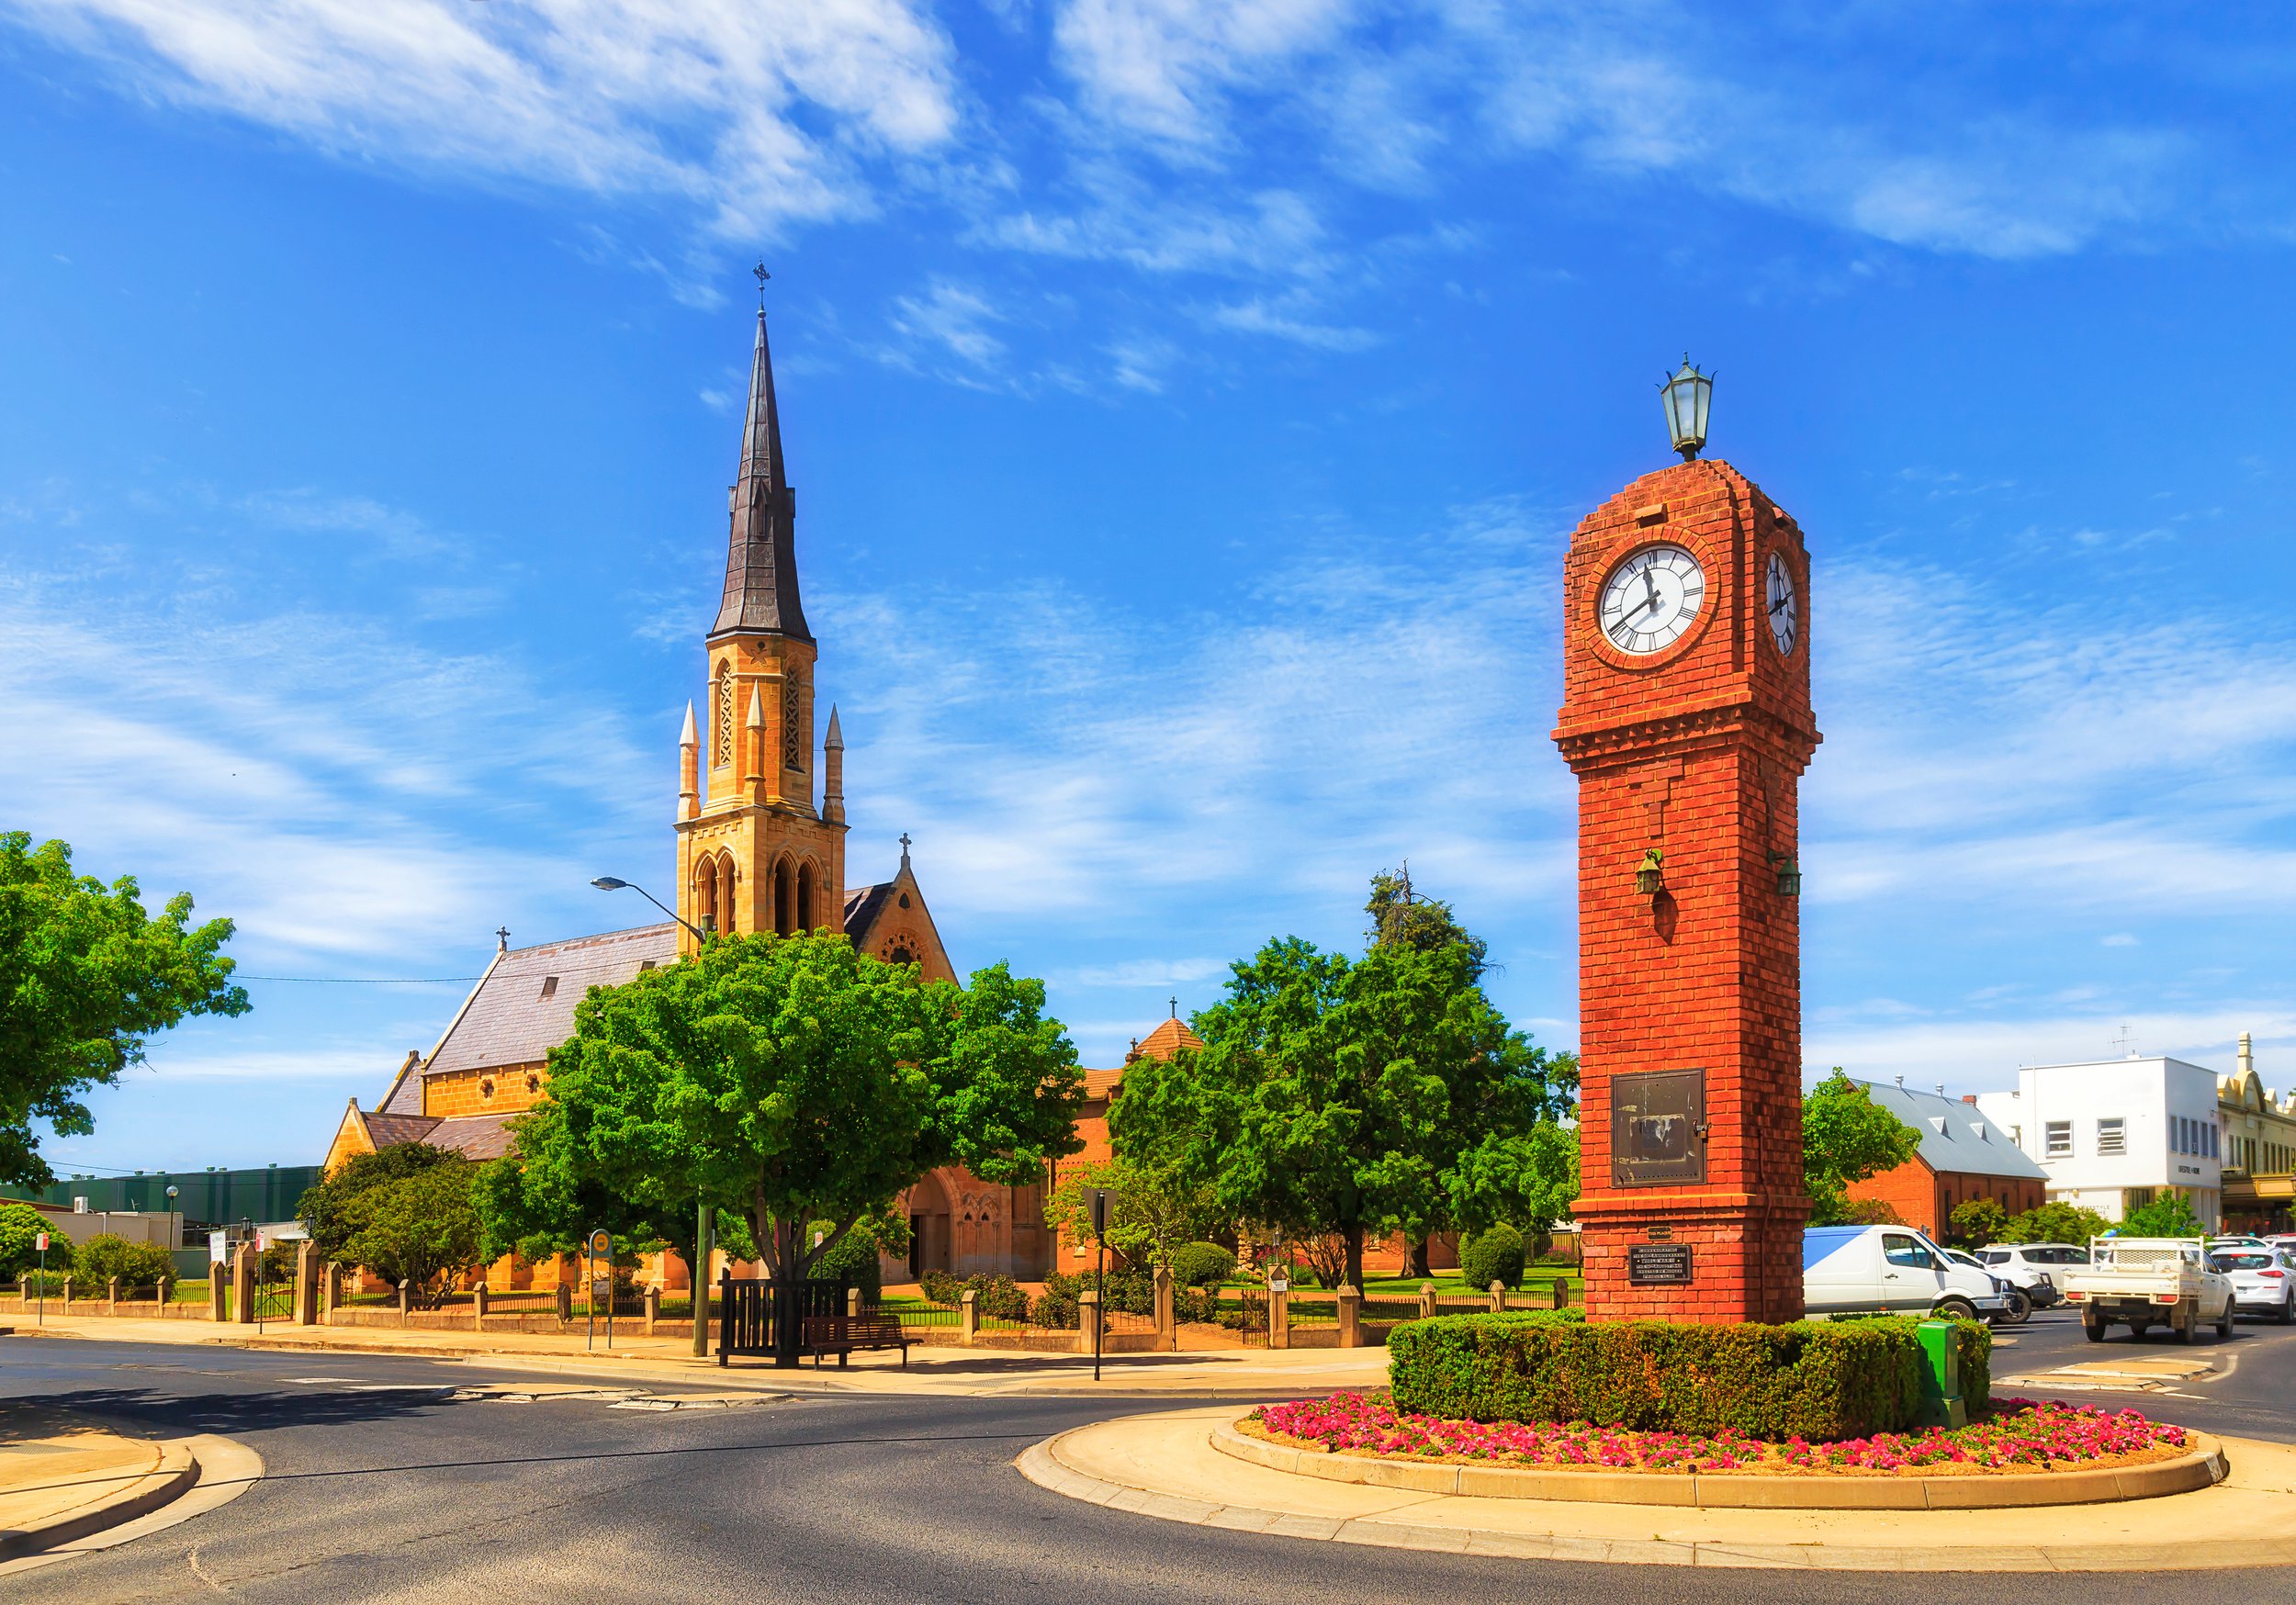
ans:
(762, 550)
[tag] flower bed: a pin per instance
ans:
(2020, 1436)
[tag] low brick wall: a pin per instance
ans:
(141, 1309)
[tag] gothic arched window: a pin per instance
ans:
(793, 743)
(725, 715)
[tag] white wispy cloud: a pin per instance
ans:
(759, 113)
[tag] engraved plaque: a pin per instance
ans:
(1657, 1127)
(1652, 1265)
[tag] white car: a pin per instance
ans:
(2018, 1304)
(2262, 1279)
(2038, 1267)
(2236, 1241)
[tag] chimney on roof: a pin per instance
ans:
(1941, 1089)
(1901, 1083)
(1969, 1097)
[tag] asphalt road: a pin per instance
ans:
(379, 1490)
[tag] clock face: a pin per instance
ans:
(1651, 598)
(1785, 610)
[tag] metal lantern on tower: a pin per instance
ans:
(1687, 395)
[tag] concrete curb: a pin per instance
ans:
(1167, 1479)
(177, 1471)
(2202, 1467)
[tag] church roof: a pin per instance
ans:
(1168, 1038)
(525, 1004)
(762, 549)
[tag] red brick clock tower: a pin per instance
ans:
(1686, 717)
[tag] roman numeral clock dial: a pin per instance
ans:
(1651, 598)
(1785, 612)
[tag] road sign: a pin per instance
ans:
(218, 1247)
(1278, 1283)
(41, 1242)
(1100, 1200)
(263, 1242)
(602, 1244)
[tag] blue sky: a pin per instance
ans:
(1187, 405)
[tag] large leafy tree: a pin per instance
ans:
(1351, 1097)
(2056, 1221)
(1157, 1209)
(325, 1209)
(791, 1080)
(418, 1230)
(86, 977)
(1846, 1137)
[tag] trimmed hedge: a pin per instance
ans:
(1819, 1380)
(1493, 1256)
(1202, 1264)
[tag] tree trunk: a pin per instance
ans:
(1415, 1257)
(1354, 1274)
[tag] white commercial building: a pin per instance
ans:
(2114, 1135)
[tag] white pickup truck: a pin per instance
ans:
(2149, 1281)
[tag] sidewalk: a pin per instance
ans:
(939, 1369)
(1164, 1465)
(63, 1477)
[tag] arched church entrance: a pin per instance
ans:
(928, 1226)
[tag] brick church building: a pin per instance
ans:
(759, 839)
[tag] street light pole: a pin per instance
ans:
(613, 883)
(703, 1220)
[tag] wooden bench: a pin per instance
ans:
(841, 1334)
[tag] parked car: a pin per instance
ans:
(2263, 1280)
(2236, 1240)
(2017, 1304)
(2143, 1282)
(2037, 1267)
(1865, 1270)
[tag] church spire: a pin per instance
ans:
(761, 552)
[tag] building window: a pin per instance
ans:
(549, 986)
(793, 743)
(2057, 1139)
(2113, 1136)
(485, 1088)
(724, 754)
(533, 1085)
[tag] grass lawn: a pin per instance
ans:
(1448, 1285)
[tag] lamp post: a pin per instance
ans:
(613, 883)
(1687, 396)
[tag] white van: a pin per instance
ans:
(1894, 1270)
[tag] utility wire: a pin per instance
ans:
(359, 979)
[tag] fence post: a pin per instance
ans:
(566, 1305)
(243, 1283)
(1280, 1320)
(329, 1293)
(969, 1317)
(1087, 1320)
(1498, 1295)
(167, 1296)
(478, 1291)
(217, 1293)
(111, 1296)
(406, 1302)
(1168, 1322)
(1426, 1301)
(1350, 1300)
(724, 1309)
(67, 1296)
(306, 1283)
(653, 1308)
(852, 1302)
(1562, 1292)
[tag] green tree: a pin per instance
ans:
(1978, 1222)
(325, 1209)
(1846, 1137)
(2056, 1222)
(1352, 1097)
(2168, 1215)
(792, 1080)
(1401, 914)
(86, 977)
(1157, 1210)
(20, 1226)
(418, 1231)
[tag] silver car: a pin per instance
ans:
(2262, 1279)
(2037, 1267)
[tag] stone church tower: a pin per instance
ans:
(761, 810)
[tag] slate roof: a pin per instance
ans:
(1955, 1137)
(388, 1129)
(862, 905)
(473, 1136)
(762, 549)
(515, 1016)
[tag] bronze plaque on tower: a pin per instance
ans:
(1657, 1127)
